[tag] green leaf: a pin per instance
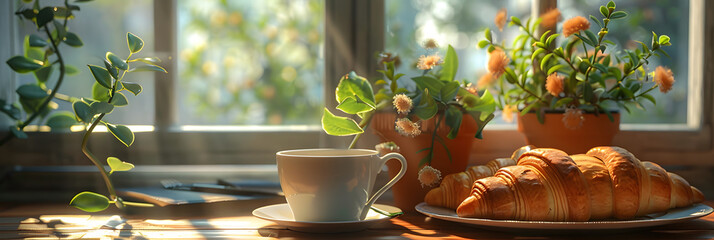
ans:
(611, 4)
(18, 133)
(101, 75)
(148, 68)
(23, 64)
(43, 73)
(99, 92)
(604, 11)
(36, 41)
(62, 12)
(486, 105)
(73, 40)
(380, 82)
(119, 100)
(90, 202)
(591, 36)
(599, 24)
(649, 97)
(44, 16)
(101, 107)
(116, 61)
(449, 91)
(453, 120)
(83, 111)
(487, 34)
(132, 87)
(353, 85)
(427, 107)
(433, 84)
(29, 14)
(584, 39)
(562, 101)
(70, 70)
(121, 133)
(482, 44)
(555, 68)
(339, 126)
(60, 31)
(11, 110)
(61, 121)
(664, 40)
(134, 42)
(618, 15)
(352, 106)
(111, 69)
(31, 91)
(118, 165)
(450, 65)
(147, 60)
(482, 124)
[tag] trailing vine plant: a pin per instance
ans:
(107, 93)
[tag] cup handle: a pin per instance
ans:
(389, 184)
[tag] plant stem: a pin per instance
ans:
(365, 122)
(433, 137)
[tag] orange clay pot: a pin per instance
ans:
(408, 192)
(595, 131)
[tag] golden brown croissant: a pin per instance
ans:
(549, 185)
(456, 187)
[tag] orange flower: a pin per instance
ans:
(500, 19)
(485, 81)
(550, 18)
(407, 128)
(429, 176)
(428, 62)
(554, 84)
(664, 78)
(575, 25)
(573, 118)
(402, 103)
(508, 112)
(497, 62)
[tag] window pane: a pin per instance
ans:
(250, 62)
(670, 17)
(102, 26)
(409, 23)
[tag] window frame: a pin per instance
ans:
(348, 48)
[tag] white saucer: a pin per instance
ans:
(281, 214)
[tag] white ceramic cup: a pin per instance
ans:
(329, 185)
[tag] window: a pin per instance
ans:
(221, 66)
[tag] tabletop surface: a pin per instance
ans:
(52, 220)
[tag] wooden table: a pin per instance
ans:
(42, 220)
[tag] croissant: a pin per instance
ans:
(549, 185)
(454, 188)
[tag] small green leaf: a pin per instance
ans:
(18, 133)
(593, 38)
(611, 4)
(433, 84)
(618, 15)
(101, 75)
(562, 101)
(101, 107)
(118, 165)
(36, 41)
(60, 31)
(556, 68)
(339, 126)
(604, 11)
(62, 12)
(427, 107)
(664, 40)
(450, 65)
(61, 121)
(352, 106)
(111, 69)
(90, 202)
(23, 64)
(380, 82)
(119, 100)
(148, 68)
(482, 44)
(599, 24)
(352, 85)
(487, 34)
(44, 16)
(83, 111)
(29, 14)
(453, 120)
(649, 97)
(43, 73)
(99, 92)
(116, 61)
(122, 133)
(70, 70)
(11, 110)
(147, 60)
(73, 40)
(31, 91)
(134, 42)
(132, 87)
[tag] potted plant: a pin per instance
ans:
(567, 91)
(433, 122)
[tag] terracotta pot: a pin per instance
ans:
(408, 192)
(595, 131)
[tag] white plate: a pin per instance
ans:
(671, 216)
(281, 214)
